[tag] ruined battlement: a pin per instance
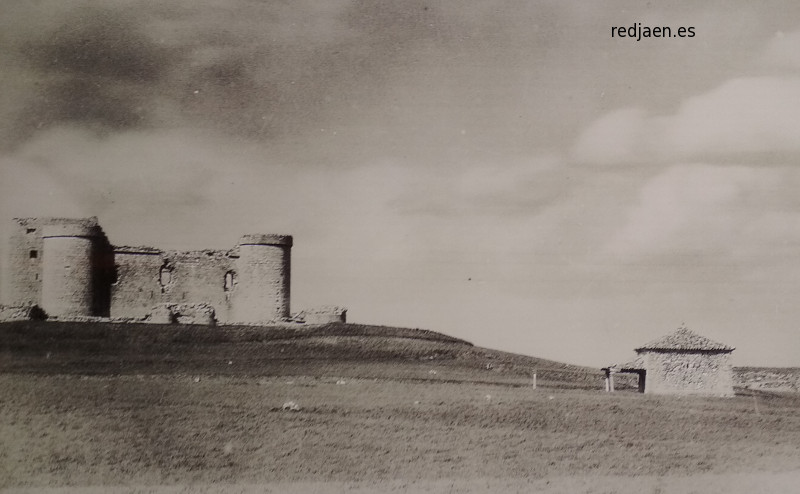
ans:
(265, 239)
(126, 249)
(68, 267)
(38, 222)
(72, 230)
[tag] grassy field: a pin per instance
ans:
(155, 409)
(316, 351)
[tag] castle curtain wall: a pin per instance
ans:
(146, 278)
(74, 271)
(137, 288)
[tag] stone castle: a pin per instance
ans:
(67, 269)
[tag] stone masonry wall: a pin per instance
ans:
(68, 268)
(67, 272)
(137, 288)
(767, 379)
(200, 277)
(263, 289)
(171, 313)
(688, 372)
(26, 263)
(20, 313)
(149, 277)
(322, 315)
(24, 280)
(24, 285)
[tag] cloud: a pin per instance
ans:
(782, 50)
(180, 189)
(747, 115)
(715, 177)
(72, 172)
(614, 138)
(709, 213)
(137, 177)
(94, 68)
(741, 117)
(251, 69)
(96, 42)
(183, 189)
(517, 187)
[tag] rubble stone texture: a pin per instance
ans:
(262, 289)
(67, 267)
(323, 315)
(768, 379)
(685, 363)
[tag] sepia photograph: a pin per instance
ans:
(362, 246)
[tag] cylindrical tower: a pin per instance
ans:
(68, 276)
(263, 273)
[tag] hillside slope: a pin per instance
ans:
(163, 408)
(352, 350)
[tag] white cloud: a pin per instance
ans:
(757, 114)
(743, 115)
(614, 138)
(784, 50)
(739, 213)
(512, 187)
(183, 190)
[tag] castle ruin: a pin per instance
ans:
(69, 269)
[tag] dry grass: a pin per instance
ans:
(434, 423)
(355, 350)
(171, 429)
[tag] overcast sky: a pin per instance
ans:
(501, 171)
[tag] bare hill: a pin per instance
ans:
(352, 350)
(167, 408)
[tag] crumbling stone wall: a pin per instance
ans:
(136, 289)
(20, 313)
(147, 277)
(199, 277)
(68, 280)
(68, 267)
(171, 313)
(322, 315)
(79, 255)
(688, 372)
(768, 379)
(262, 291)
(24, 278)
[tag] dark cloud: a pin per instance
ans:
(252, 70)
(412, 19)
(97, 43)
(414, 69)
(95, 68)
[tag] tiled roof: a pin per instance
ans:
(684, 339)
(634, 365)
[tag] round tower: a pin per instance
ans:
(68, 277)
(263, 272)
